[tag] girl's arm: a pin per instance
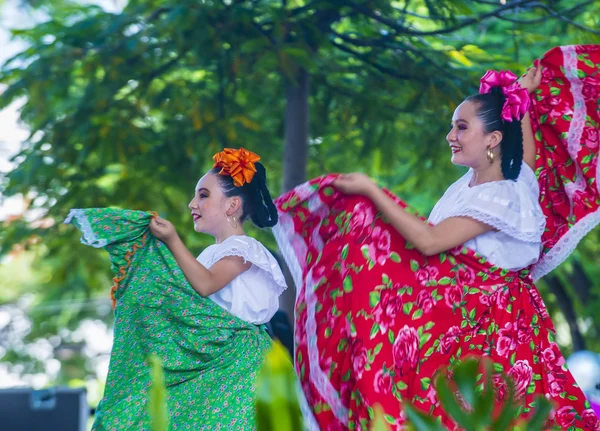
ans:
(429, 240)
(528, 142)
(205, 281)
(530, 81)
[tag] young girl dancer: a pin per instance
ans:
(204, 318)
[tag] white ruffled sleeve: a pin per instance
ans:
(511, 207)
(254, 294)
(253, 251)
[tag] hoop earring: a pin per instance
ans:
(490, 155)
(234, 224)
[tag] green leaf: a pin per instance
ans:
(421, 421)
(374, 330)
(374, 298)
(485, 400)
(391, 336)
(414, 265)
(395, 257)
(424, 339)
(401, 385)
(389, 419)
(347, 284)
(540, 415)
(506, 416)
(465, 376)
(444, 281)
(538, 135)
(345, 252)
(365, 251)
(157, 397)
(425, 383)
(449, 403)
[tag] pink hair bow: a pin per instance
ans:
(517, 98)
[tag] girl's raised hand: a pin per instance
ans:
(355, 184)
(163, 229)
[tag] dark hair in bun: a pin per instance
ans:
(257, 203)
(489, 111)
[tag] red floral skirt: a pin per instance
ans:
(376, 320)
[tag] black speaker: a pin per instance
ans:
(52, 409)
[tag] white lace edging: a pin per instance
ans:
(282, 238)
(88, 236)
(283, 234)
(265, 263)
(320, 378)
(577, 123)
(310, 423)
(565, 246)
(501, 225)
(569, 241)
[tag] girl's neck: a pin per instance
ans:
(229, 232)
(486, 174)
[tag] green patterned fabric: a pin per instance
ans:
(210, 357)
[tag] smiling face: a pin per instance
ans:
(467, 138)
(209, 206)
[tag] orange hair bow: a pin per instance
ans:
(238, 164)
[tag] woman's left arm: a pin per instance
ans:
(429, 240)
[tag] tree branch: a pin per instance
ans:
(165, 67)
(365, 59)
(346, 92)
(554, 14)
(263, 32)
(465, 23)
(561, 17)
(383, 43)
